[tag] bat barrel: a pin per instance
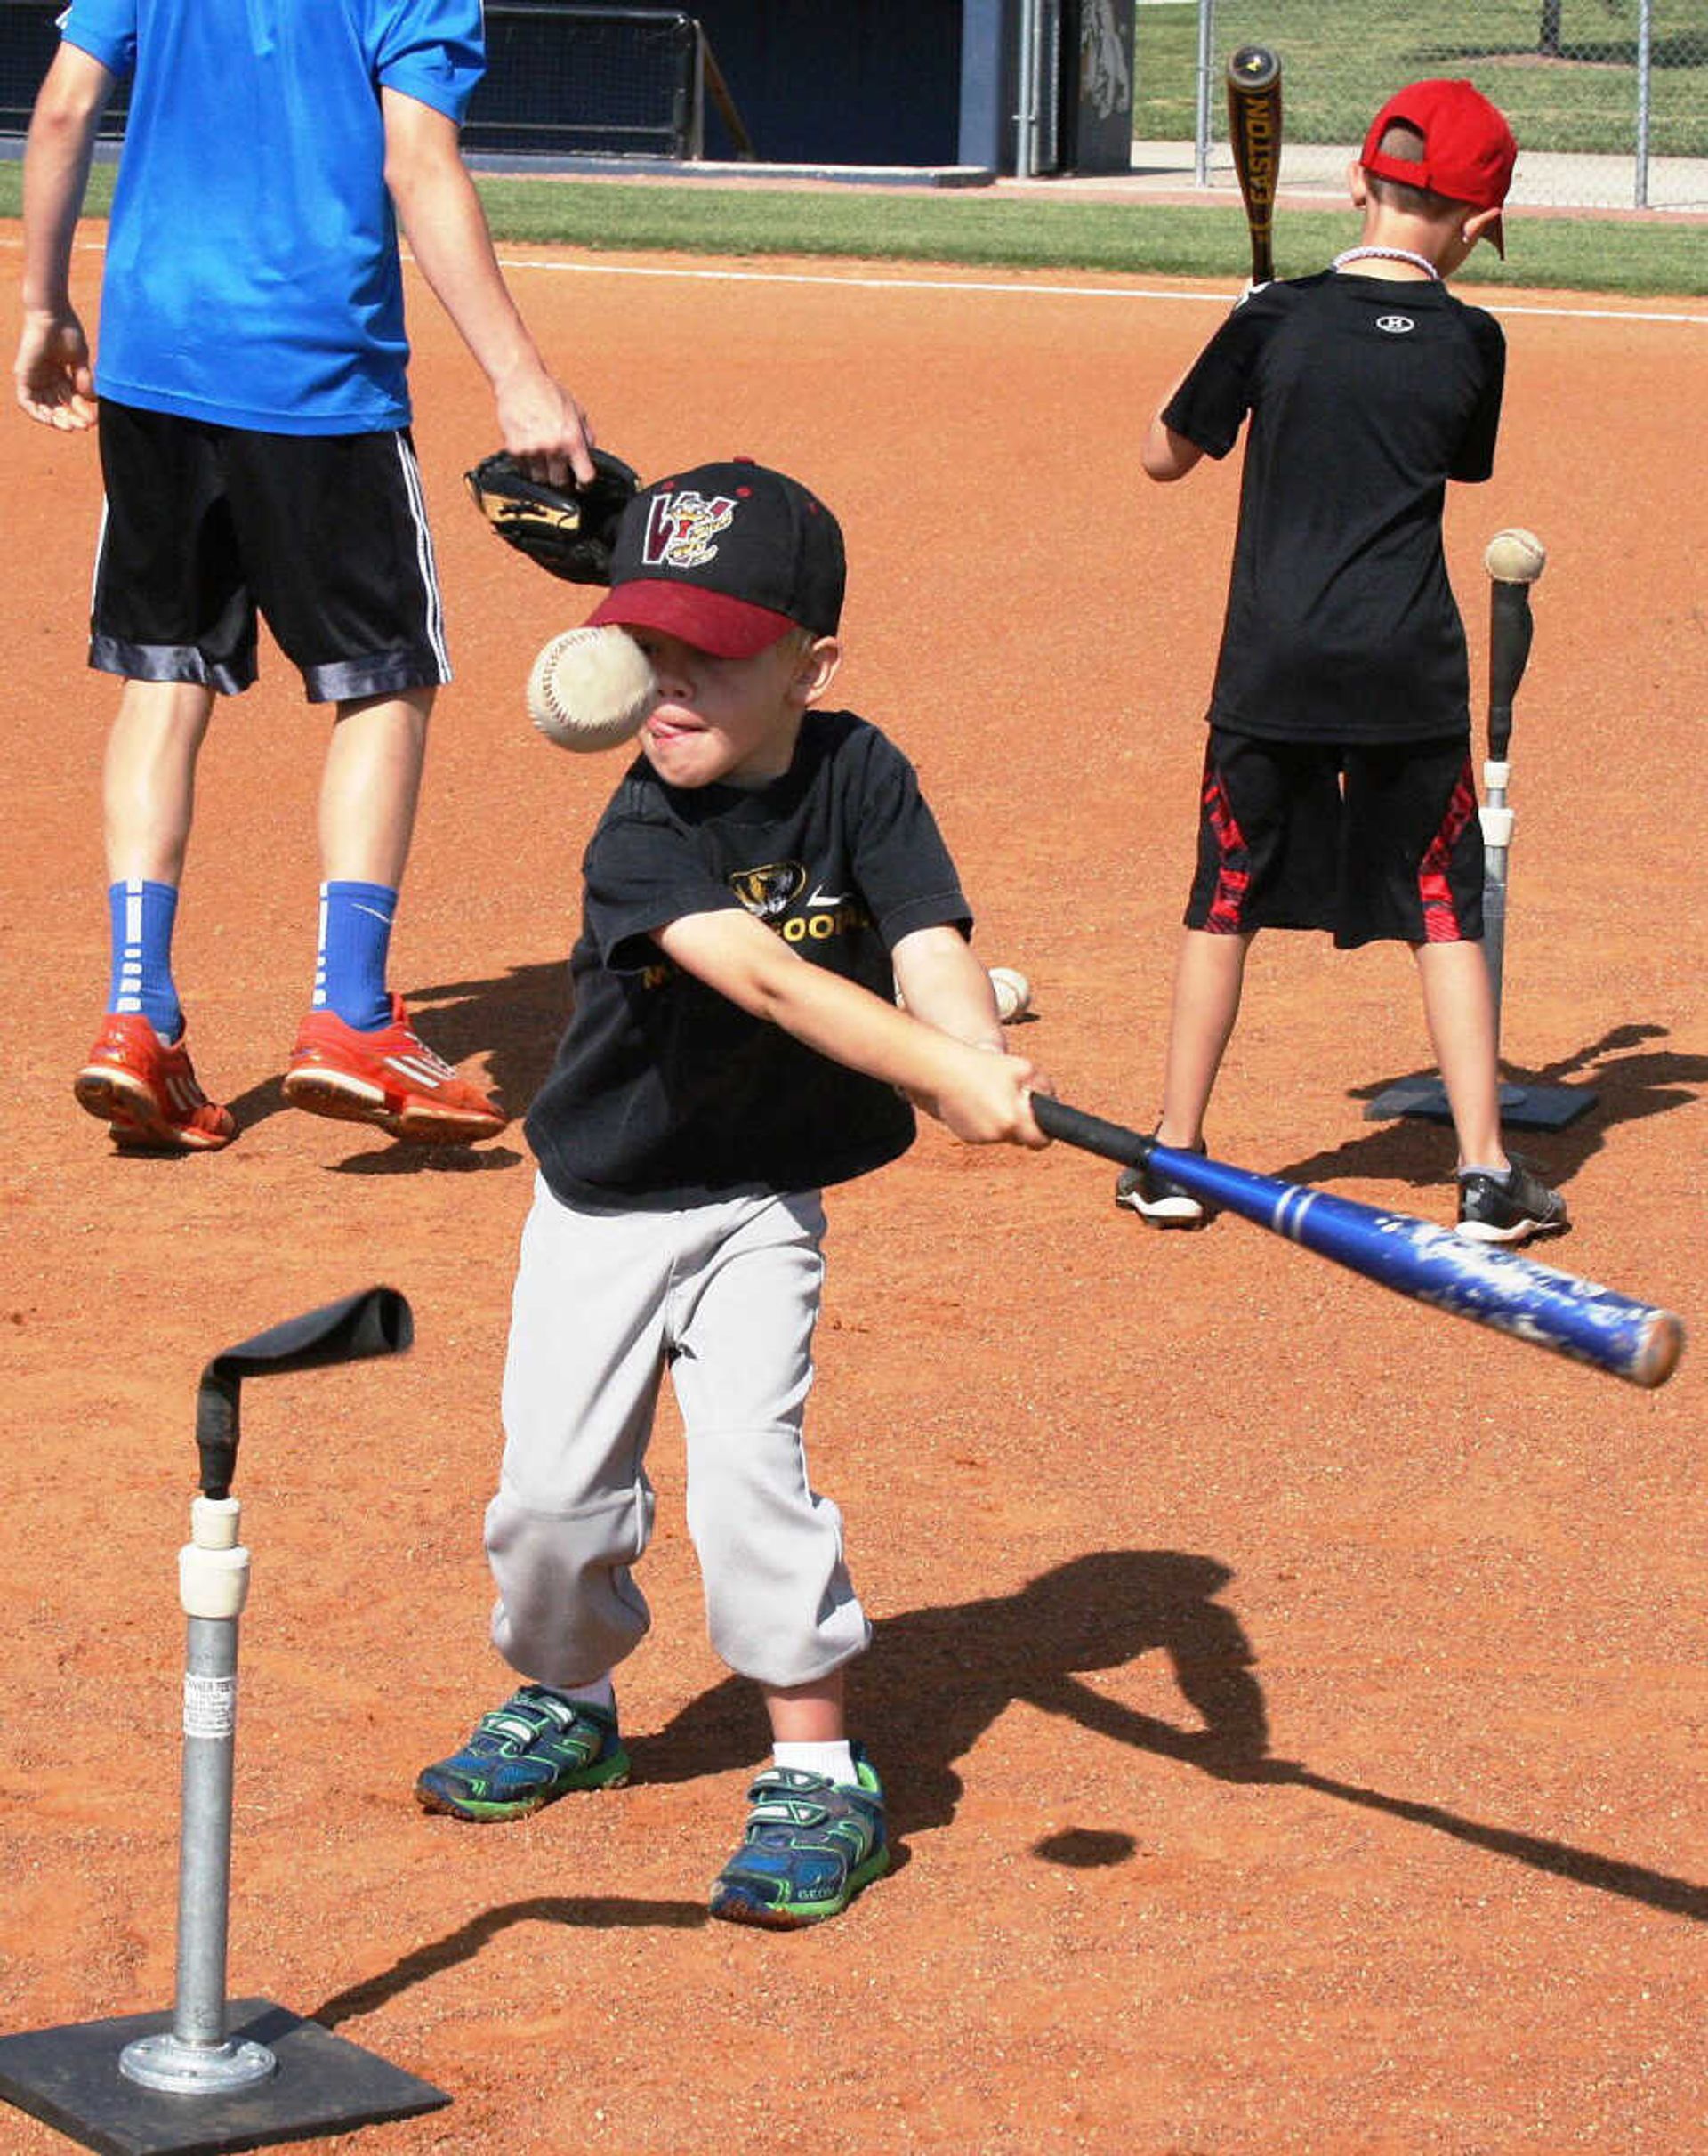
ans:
(1496, 1287)
(1491, 1286)
(1253, 78)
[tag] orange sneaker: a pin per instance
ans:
(145, 1089)
(390, 1078)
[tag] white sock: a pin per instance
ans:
(1499, 1173)
(834, 1762)
(599, 1693)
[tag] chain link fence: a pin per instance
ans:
(1608, 98)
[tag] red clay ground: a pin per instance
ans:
(1127, 1508)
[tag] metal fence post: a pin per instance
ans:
(1645, 55)
(1025, 115)
(1201, 128)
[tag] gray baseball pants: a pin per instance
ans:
(726, 1297)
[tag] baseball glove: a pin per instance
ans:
(567, 529)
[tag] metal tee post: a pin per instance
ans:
(219, 2075)
(1514, 560)
(196, 2055)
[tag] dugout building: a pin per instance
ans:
(951, 90)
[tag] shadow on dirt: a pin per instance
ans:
(1630, 1082)
(936, 1682)
(937, 1679)
(257, 1103)
(601, 1913)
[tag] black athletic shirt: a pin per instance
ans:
(1365, 397)
(664, 1092)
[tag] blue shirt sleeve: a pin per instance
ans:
(433, 51)
(106, 29)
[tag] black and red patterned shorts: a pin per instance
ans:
(1373, 844)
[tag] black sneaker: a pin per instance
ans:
(1508, 1208)
(1159, 1199)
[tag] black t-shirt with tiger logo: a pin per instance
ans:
(663, 1093)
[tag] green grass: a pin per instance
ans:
(974, 228)
(1161, 240)
(1343, 57)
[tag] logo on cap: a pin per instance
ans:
(682, 527)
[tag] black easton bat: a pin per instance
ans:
(1255, 136)
(1414, 1257)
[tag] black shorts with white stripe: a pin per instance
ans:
(324, 537)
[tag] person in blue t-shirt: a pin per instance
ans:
(253, 408)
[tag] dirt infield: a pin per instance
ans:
(1292, 1700)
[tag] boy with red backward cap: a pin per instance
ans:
(1338, 793)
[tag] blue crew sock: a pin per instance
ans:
(355, 941)
(141, 915)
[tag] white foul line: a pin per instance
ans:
(1072, 292)
(957, 283)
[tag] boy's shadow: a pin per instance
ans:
(937, 1679)
(1629, 1087)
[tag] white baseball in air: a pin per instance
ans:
(591, 689)
(1516, 556)
(1013, 993)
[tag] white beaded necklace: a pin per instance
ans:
(1418, 261)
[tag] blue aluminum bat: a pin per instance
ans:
(1430, 1264)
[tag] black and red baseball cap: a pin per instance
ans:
(1468, 150)
(727, 557)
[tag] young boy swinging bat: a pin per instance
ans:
(766, 879)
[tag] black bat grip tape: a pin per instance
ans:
(1091, 1134)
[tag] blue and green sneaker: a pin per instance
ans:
(810, 1845)
(535, 1747)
